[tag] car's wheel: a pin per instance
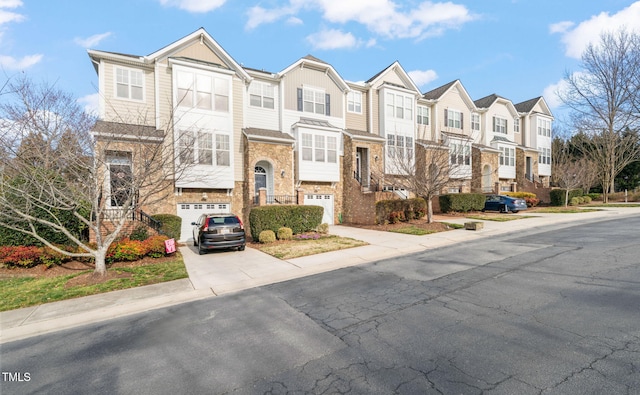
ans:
(514, 211)
(241, 248)
(200, 249)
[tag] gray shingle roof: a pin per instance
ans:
(527, 106)
(436, 93)
(124, 131)
(267, 134)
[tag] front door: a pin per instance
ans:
(260, 179)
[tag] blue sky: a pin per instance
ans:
(518, 49)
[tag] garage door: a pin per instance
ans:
(326, 201)
(189, 212)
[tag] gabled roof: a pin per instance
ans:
(527, 106)
(488, 101)
(438, 93)
(171, 49)
(315, 63)
(394, 67)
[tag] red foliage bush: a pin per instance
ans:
(126, 250)
(155, 246)
(21, 256)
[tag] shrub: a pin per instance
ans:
(25, 256)
(126, 250)
(586, 199)
(558, 196)
(154, 246)
(267, 236)
(299, 219)
(285, 233)
(140, 233)
(410, 208)
(529, 197)
(171, 225)
(574, 201)
(396, 216)
(323, 228)
(594, 196)
(461, 202)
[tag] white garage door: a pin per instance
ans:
(189, 212)
(326, 201)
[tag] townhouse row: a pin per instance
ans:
(305, 135)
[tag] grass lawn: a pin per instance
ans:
(29, 290)
(412, 230)
(564, 210)
(296, 248)
(497, 217)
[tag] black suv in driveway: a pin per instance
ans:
(213, 231)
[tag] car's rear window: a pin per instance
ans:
(223, 221)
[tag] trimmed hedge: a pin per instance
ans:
(171, 225)
(298, 218)
(461, 202)
(400, 210)
(558, 196)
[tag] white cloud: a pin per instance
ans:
(91, 103)
(589, 31)
(11, 63)
(92, 41)
(195, 6)
(422, 77)
(7, 16)
(550, 93)
(332, 39)
(560, 27)
(10, 3)
(382, 17)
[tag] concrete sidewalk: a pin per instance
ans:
(218, 273)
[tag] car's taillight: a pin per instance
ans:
(240, 222)
(206, 228)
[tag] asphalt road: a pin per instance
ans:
(556, 312)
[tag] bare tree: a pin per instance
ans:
(569, 171)
(63, 168)
(604, 98)
(432, 169)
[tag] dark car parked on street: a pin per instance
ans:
(216, 231)
(504, 204)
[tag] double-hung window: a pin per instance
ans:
(120, 178)
(129, 84)
(399, 106)
(516, 125)
(475, 122)
(313, 100)
(202, 91)
(507, 156)
(262, 95)
(544, 157)
(319, 148)
(354, 102)
(197, 148)
(453, 118)
(499, 125)
(544, 127)
(460, 154)
(400, 147)
(423, 115)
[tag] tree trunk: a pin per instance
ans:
(566, 197)
(429, 211)
(101, 262)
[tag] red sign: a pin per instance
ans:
(170, 246)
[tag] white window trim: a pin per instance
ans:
(354, 98)
(194, 103)
(263, 88)
(129, 70)
(501, 129)
(213, 147)
(420, 115)
(314, 102)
